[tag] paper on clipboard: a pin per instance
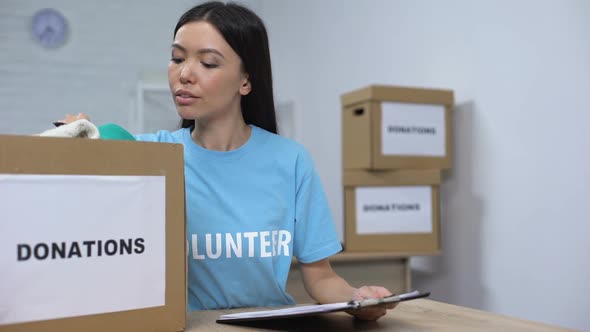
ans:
(315, 309)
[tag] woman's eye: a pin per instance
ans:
(209, 65)
(177, 60)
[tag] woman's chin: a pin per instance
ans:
(186, 114)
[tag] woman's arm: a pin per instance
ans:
(325, 286)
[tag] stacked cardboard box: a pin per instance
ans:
(395, 142)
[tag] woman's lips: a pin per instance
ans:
(185, 100)
(185, 97)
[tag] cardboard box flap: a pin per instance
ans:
(405, 177)
(400, 94)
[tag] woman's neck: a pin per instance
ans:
(221, 134)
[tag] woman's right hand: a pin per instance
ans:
(71, 118)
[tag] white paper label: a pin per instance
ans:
(413, 129)
(73, 245)
(388, 210)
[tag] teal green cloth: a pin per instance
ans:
(114, 132)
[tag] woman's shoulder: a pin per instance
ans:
(286, 148)
(163, 136)
(280, 143)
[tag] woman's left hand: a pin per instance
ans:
(71, 118)
(371, 292)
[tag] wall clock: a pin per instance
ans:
(49, 28)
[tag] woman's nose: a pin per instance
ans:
(187, 74)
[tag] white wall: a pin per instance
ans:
(514, 207)
(514, 222)
(112, 45)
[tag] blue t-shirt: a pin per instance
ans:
(249, 211)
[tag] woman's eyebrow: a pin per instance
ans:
(210, 50)
(178, 46)
(200, 51)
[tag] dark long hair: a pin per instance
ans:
(244, 31)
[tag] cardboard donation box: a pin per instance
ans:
(386, 127)
(392, 211)
(92, 235)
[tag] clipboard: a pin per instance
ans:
(316, 309)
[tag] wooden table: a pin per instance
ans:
(416, 315)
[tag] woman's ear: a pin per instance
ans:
(246, 86)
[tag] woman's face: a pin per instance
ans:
(205, 74)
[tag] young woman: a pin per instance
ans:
(253, 198)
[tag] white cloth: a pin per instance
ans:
(79, 128)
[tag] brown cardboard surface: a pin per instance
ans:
(361, 127)
(391, 177)
(410, 244)
(42, 155)
(356, 121)
(395, 93)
